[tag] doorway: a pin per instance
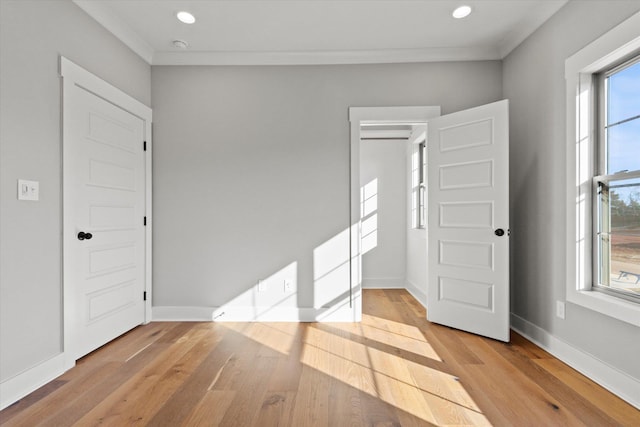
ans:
(468, 219)
(393, 220)
(368, 117)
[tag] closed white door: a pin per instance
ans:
(468, 225)
(104, 216)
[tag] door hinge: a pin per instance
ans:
(144, 145)
(144, 296)
(144, 221)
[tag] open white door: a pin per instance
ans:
(468, 199)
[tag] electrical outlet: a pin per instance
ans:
(560, 309)
(262, 286)
(287, 285)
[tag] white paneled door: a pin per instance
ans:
(468, 226)
(105, 199)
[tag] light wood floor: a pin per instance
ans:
(393, 369)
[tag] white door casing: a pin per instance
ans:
(106, 186)
(468, 205)
(359, 116)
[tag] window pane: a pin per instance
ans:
(421, 202)
(619, 234)
(423, 216)
(623, 146)
(624, 94)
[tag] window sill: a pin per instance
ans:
(608, 305)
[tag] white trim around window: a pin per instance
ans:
(612, 47)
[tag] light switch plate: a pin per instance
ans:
(28, 190)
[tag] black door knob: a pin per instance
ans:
(499, 232)
(84, 236)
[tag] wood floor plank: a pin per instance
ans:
(344, 400)
(286, 374)
(176, 331)
(84, 381)
(312, 399)
(238, 370)
(252, 394)
(451, 339)
(417, 310)
(447, 398)
(126, 346)
(527, 348)
(251, 383)
(141, 395)
(615, 407)
(75, 409)
(276, 409)
(539, 405)
(21, 406)
(473, 389)
(411, 349)
(160, 406)
(211, 409)
(564, 397)
(392, 369)
(199, 383)
(377, 413)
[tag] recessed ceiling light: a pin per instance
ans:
(181, 44)
(186, 17)
(461, 12)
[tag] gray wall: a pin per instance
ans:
(251, 164)
(534, 82)
(384, 162)
(32, 36)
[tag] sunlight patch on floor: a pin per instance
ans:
(391, 326)
(388, 360)
(427, 393)
(418, 346)
(276, 336)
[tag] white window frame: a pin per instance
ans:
(604, 176)
(421, 194)
(417, 184)
(580, 70)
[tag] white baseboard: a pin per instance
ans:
(417, 293)
(17, 387)
(182, 314)
(619, 383)
(383, 283)
(253, 314)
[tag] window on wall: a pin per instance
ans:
(616, 216)
(421, 219)
(603, 161)
(418, 184)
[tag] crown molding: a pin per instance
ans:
(380, 56)
(529, 26)
(117, 27)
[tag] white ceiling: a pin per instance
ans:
(320, 31)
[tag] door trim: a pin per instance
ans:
(357, 117)
(74, 75)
